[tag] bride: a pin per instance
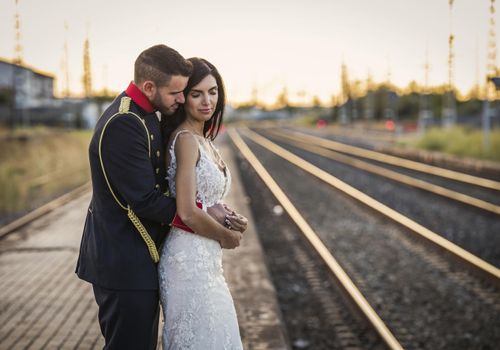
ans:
(198, 308)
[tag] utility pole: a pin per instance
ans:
(65, 65)
(255, 96)
(346, 94)
(369, 105)
(477, 85)
(105, 79)
(391, 97)
(425, 115)
(449, 105)
(491, 74)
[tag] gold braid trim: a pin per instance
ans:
(145, 235)
(124, 109)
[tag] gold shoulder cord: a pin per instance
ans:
(124, 109)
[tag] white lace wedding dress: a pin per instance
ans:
(198, 309)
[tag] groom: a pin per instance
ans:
(129, 213)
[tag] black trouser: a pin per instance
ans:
(128, 318)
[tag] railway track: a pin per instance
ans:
(446, 209)
(352, 156)
(423, 299)
(363, 139)
(44, 209)
(390, 288)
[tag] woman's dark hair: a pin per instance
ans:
(201, 69)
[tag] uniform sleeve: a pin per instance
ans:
(128, 167)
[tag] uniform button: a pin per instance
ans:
(157, 170)
(158, 154)
(157, 186)
(152, 137)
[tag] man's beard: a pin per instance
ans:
(158, 104)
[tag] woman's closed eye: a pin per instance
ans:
(211, 92)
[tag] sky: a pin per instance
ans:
(256, 44)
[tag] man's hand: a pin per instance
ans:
(218, 212)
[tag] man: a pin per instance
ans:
(129, 213)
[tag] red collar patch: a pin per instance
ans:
(138, 97)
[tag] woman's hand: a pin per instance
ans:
(235, 221)
(231, 240)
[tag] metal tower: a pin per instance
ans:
(425, 115)
(18, 48)
(255, 96)
(491, 69)
(492, 78)
(449, 105)
(476, 91)
(427, 68)
(65, 63)
(369, 99)
(391, 96)
(87, 73)
(345, 93)
(19, 115)
(105, 90)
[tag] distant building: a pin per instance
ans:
(27, 98)
(31, 87)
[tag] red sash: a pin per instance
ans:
(177, 222)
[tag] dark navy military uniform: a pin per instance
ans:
(113, 255)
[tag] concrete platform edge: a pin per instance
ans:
(259, 316)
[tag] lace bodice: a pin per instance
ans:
(211, 182)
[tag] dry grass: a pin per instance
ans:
(39, 164)
(461, 141)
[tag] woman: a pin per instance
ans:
(198, 308)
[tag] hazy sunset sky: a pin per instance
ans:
(265, 44)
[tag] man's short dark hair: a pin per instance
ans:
(158, 64)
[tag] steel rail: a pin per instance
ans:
(390, 174)
(44, 209)
(318, 245)
(465, 256)
(401, 162)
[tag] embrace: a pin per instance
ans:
(156, 224)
